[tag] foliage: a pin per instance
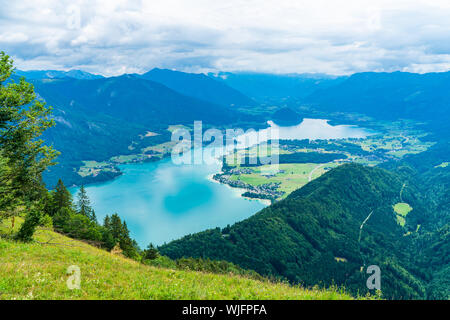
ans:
(301, 237)
(84, 205)
(23, 155)
(32, 220)
(121, 235)
(151, 253)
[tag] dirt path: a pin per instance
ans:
(312, 171)
(362, 225)
(401, 192)
(359, 238)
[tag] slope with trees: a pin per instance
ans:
(312, 237)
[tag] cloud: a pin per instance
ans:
(283, 36)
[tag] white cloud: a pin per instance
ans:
(328, 36)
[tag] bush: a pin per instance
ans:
(32, 220)
(81, 227)
(161, 262)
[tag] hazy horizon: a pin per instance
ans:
(310, 74)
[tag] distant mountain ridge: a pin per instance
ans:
(388, 95)
(133, 99)
(195, 85)
(265, 87)
(199, 86)
(57, 74)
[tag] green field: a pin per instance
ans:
(397, 143)
(39, 271)
(162, 148)
(402, 209)
(93, 168)
(291, 176)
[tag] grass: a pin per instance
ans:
(397, 143)
(162, 148)
(93, 168)
(291, 176)
(39, 271)
(402, 209)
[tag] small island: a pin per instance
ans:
(286, 117)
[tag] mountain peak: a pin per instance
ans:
(200, 86)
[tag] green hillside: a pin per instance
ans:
(327, 232)
(39, 271)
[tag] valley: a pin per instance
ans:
(356, 189)
(262, 182)
(211, 150)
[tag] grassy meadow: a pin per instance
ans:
(38, 270)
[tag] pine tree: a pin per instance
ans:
(126, 243)
(116, 226)
(150, 253)
(107, 222)
(121, 234)
(94, 216)
(61, 198)
(84, 204)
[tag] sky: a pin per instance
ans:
(113, 37)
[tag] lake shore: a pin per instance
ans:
(238, 191)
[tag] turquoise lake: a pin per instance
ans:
(162, 201)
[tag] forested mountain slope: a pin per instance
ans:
(199, 86)
(388, 95)
(429, 174)
(132, 99)
(313, 236)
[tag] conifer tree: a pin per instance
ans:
(150, 253)
(84, 204)
(121, 234)
(61, 198)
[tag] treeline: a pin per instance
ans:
(336, 146)
(296, 157)
(23, 159)
(78, 220)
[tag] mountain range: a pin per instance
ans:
(57, 74)
(327, 232)
(120, 108)
(199, 86)
(266, 88)
(388, 96)
(103, 117)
